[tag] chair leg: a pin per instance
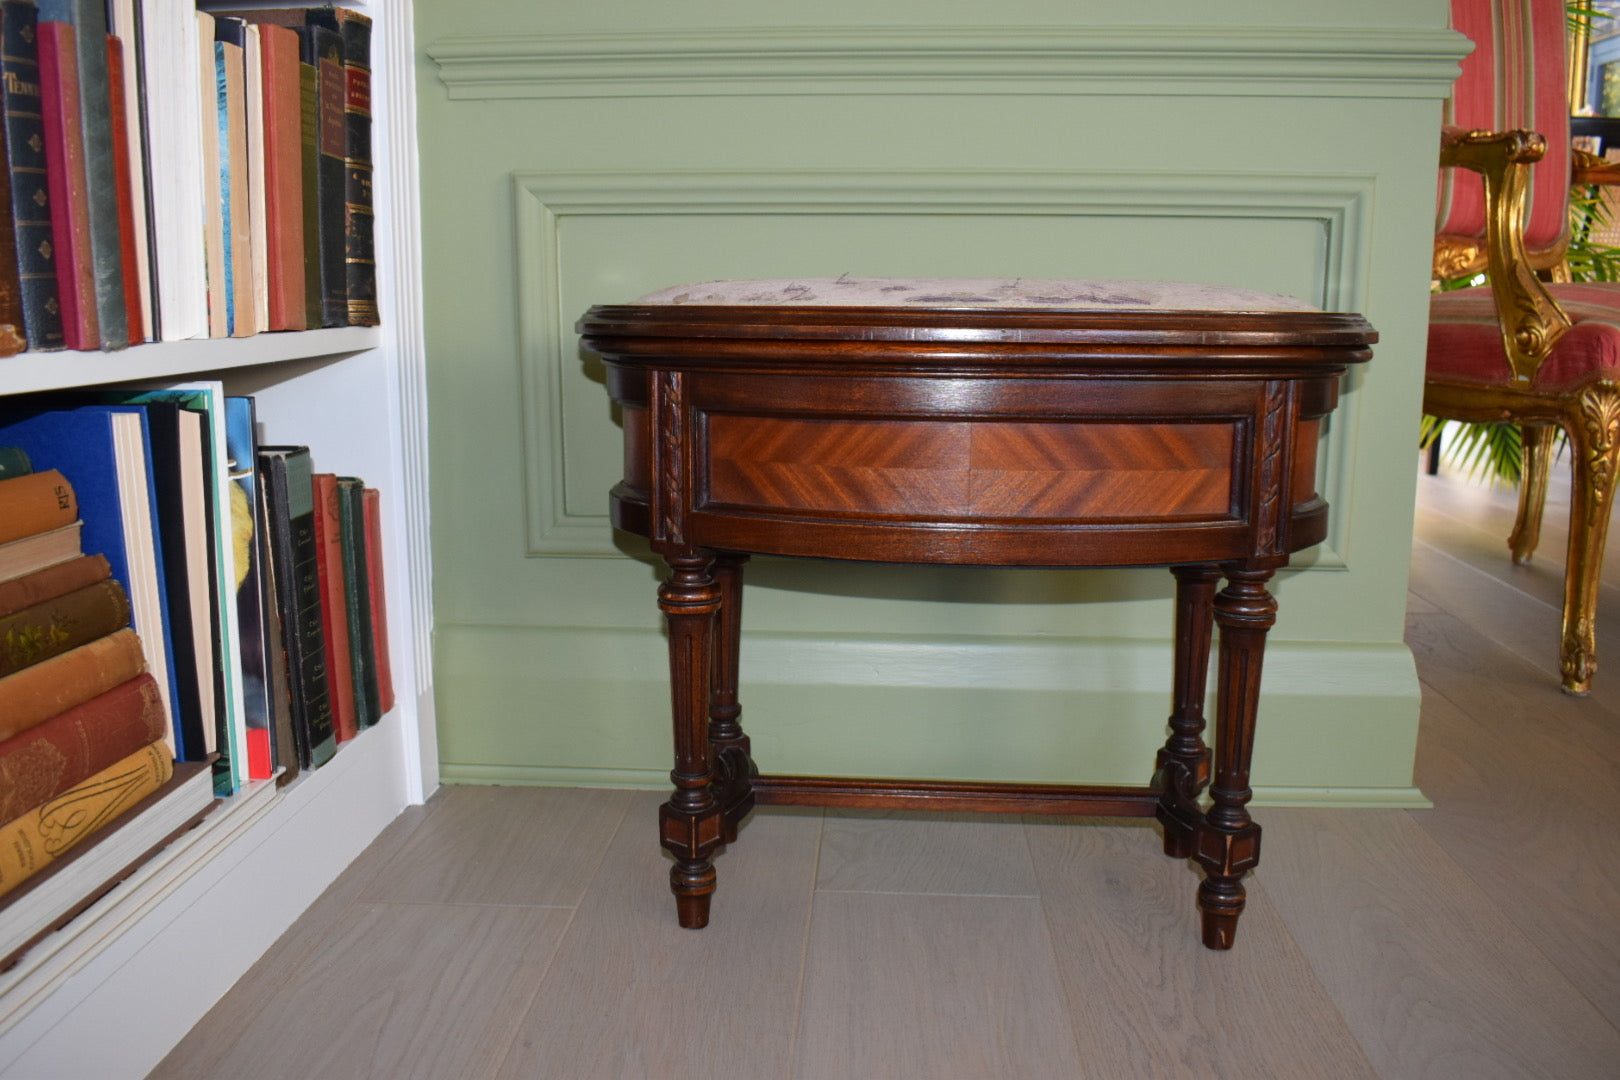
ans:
(1537, 441)
(1595, 442)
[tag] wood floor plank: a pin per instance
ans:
(1147, 999)
(1432, 977)
(402, 992)
(631, 994)
(945, 987)
(504, 845)
(202, 1052)
(903, 851)
(1528, 813)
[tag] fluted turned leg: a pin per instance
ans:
(1595, 443)
(1228, 840)
(1538, 453)
(690, 824)
(1182, 769)
(729, 747)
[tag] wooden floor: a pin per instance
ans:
(527, 932)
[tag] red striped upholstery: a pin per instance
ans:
(1513, 79)
(1465, 338)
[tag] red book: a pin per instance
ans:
(41, 585)
(127, 223)
(46, 760)
(284, 175)
(65, 183)
(334, 609)
(379, 600)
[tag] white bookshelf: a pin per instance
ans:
(110, 994)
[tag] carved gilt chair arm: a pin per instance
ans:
(1531, 320)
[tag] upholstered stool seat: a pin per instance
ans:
(973, 422)
(1003, 294)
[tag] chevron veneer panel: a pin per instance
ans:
(972, 469)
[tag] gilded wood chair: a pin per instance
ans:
(1542, 353)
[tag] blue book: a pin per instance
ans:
(242, 446)
(103, 452)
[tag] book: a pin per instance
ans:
(76, 879)
(65, 179)
(258, 236)
(54, 755)
(35, 694)
(377, 594)
(352, 519)
(235, 203)
(331, 566)
(288, 475)
(284, 177)
(173, 149)
(326, 46)
(52, 627)
(30, 206)
(214, 192)
(241, 443)
(288, 742)
(12, 341)
(207, 399)
(129, 117)
(180, 518)
(102, 450)
(88, 19)
(36, 502)
(27, 554)
(130, 267)
(14, 462)
(41, 585)
(360, 258)
(31, 842)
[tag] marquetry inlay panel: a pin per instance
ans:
(971, 469)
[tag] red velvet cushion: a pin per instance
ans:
(1465, 340)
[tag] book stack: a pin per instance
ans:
(172, 173)
(182, 612)
(85, 736)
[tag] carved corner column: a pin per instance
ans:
(690, 824)
(1182, 769)
(1228, 840)
(1595, 437)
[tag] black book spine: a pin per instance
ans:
(25, 158)
(360, 250)
(324, 47)
(289, 474)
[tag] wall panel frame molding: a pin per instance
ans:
(1171, 60)
(1339, 205)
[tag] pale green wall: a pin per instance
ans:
(583, 153)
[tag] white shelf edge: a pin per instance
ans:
(33, 372)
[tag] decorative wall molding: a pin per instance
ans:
(1102, 60)
(1339, 205)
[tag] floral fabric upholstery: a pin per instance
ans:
(1016, 293)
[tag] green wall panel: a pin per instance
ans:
(576, 154)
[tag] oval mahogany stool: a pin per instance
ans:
(982, 423)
